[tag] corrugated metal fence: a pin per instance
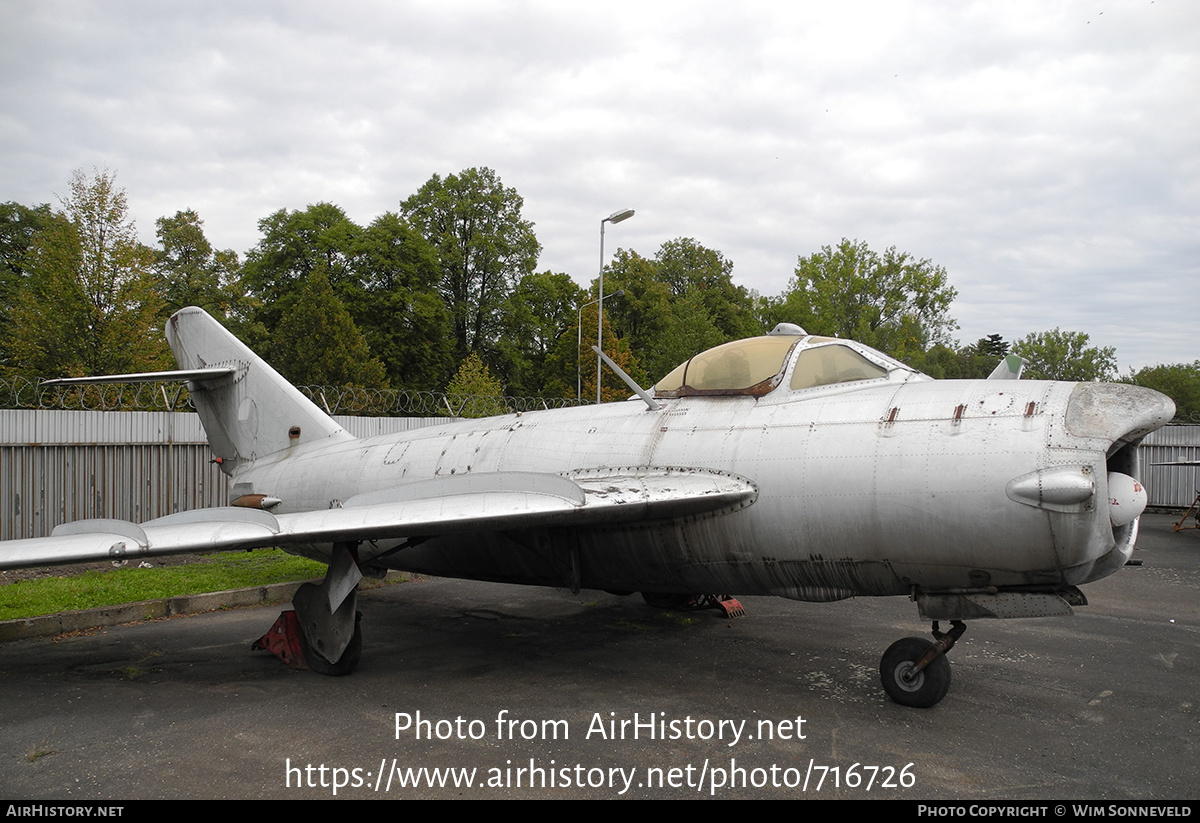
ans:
(58, 466)
(1173, 486)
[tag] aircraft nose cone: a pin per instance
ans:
(1126, 498)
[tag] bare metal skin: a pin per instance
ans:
(797, 466)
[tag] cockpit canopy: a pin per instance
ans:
(757, 365)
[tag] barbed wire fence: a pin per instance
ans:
(355, 401)
(22, 393)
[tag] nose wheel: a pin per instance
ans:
(916, 672)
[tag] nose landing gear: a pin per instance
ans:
(916, 672)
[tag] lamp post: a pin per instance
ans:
(579, 345)
(614, 218)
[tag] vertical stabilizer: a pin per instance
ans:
(254, 412)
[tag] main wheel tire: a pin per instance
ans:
(347, 663)
(923, 690)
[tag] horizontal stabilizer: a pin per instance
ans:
(146, 377)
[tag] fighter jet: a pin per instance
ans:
(793, 465)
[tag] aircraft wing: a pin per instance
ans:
(502, 501)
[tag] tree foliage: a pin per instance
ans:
(571, 366)
(541, 311)
(474, 392)
(399, 301)
(18, 227)
(991, 346)
(674, 306)
(294, 244)
(88, 304)
(642, 314)
(1178, 381)
(191, 271)
(385, 276)
(393, 297)
(973, 362)
(706, 276)
(893, 301)
(484, 247)
(317, 343)
(1065, 355)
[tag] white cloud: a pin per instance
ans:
(1045, 155)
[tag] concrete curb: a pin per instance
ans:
(63, 622)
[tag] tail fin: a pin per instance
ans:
(252, 412)
(1009, 368)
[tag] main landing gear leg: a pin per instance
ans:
(323, 632)
(916, 672)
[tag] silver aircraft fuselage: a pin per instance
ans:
(893, 488)
(789, 464)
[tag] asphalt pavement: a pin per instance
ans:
(479, 690)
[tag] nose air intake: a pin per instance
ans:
(1097, 501)
(1121, 415)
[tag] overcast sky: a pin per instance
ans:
(1046, 154)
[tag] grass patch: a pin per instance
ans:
(38, 753)
(29, 598)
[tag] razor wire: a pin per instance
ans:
(354, 401)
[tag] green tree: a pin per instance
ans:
(317, 342)
(541, 310)
(18, 227)
(1178, 381)
(689, 268)
(973, 362)
(691, 329)
(192, 272)
(992, 346)
(473, 392)
(393, 297)
(1065, 355)
(386, 276)
(294, 244)
(484, 247)
(89, 305)
(641, 316)
(891, 301)
(573, 362)
(676, 305)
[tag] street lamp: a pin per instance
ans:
(615, 217)
(579, 345)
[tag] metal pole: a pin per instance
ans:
(615, 217)
(600, 312)
(579, 344)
